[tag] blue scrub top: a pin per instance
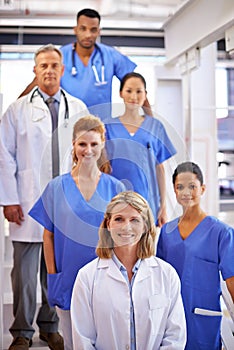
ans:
(84, 85)
(198, 259)
(134, 158)
(75, 222)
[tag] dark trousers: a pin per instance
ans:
(26, 258)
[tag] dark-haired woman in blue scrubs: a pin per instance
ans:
(200, 247)
(138, 146)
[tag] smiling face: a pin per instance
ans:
(133, 93)
(88, 147)
(188, 189)
(126, 225)
(87, 31)
(48, 70)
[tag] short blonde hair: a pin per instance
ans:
(146, 245)
(92, 123)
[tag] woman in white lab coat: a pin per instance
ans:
(127, 298)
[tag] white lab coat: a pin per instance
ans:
(25, 155)
(100, 307)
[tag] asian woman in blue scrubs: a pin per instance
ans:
(71, 209)
(199, 247)
(138, 145)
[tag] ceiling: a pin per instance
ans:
(140, 14)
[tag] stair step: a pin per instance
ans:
(37, 343)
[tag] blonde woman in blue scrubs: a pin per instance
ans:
(199, 246)
(71, 209)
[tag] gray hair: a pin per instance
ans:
(48, 48)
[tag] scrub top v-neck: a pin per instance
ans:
(198, 260)
(74, 222)
(134, 158)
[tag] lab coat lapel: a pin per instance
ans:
(113, 271)
(38, 107)
(143, 272)
(145, 268)
(61, 114)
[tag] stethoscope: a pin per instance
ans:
(74, 70)
(66, 115)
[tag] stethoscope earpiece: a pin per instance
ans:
(74, 70)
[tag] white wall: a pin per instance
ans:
(204, 125)
(15, 76)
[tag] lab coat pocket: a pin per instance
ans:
(26, 186)
(159, 305)
(39, 113)
(55, 290)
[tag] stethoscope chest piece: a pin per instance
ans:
(74, 71)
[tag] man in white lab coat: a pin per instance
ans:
(26, 162)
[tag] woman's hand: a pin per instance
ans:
(162, 216)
